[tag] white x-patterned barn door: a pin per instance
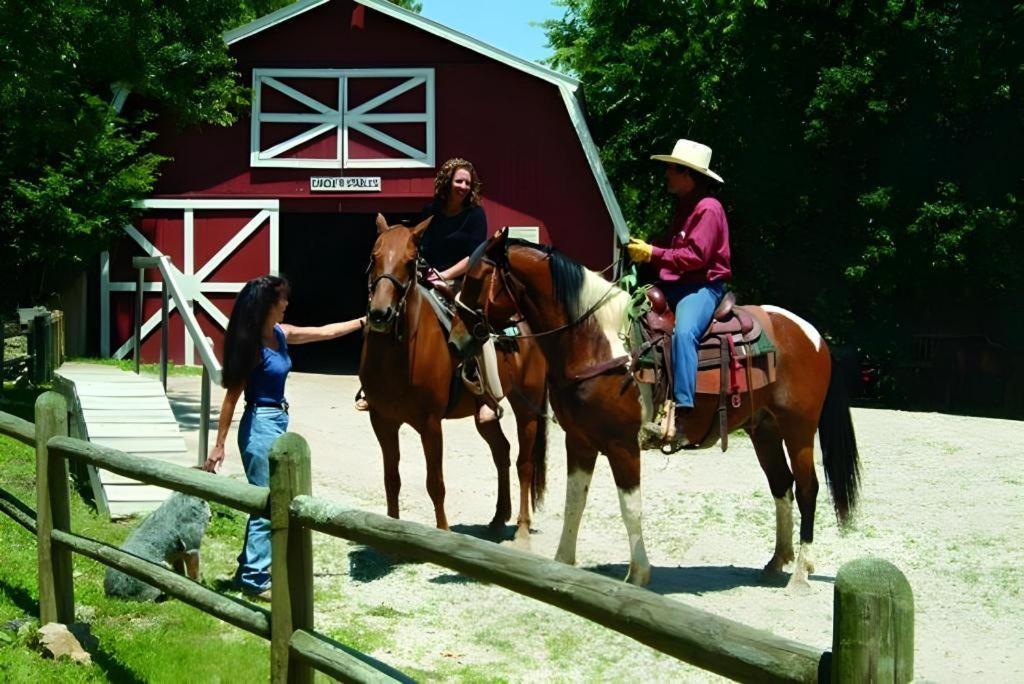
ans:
(195, 279)
(343, 118)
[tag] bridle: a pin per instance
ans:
(404, 288)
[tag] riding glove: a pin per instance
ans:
(639, 251)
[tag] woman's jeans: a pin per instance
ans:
(695, 304)
(260, 426)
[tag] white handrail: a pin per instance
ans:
(188, 316)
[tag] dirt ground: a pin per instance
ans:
(942, 499)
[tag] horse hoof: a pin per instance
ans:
(640, 577)
(777, 564)
(798, 586)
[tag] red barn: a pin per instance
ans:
(355, 104)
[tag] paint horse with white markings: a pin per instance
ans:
(578, 317)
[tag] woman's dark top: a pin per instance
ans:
(266, 381)
(450, 239)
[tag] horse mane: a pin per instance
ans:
(576, 287)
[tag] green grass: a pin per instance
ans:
(150, 368)
(152, 642)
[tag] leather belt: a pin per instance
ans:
(283, 405)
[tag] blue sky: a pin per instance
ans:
(502, 23)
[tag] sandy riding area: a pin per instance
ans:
(942, 498)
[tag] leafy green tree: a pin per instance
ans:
(411, 5)
(70, 165)
(870, 147)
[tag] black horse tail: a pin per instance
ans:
(540, 453)
(839, 447)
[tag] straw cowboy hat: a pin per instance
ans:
(692, 155)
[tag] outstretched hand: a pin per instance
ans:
(214, 460)
(639, 251)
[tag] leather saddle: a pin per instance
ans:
(734, 356)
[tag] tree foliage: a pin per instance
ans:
(70, 167)
(870, 147)
(70, 164)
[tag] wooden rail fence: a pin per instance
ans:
(873, 631)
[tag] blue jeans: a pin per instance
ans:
(259, 428)
(695, 305)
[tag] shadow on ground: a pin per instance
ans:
(186, 408)
(702, 579)
(367, 564)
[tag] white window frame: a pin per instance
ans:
(342, 119)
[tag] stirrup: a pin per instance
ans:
(474, 385)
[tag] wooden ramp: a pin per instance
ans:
(129, 412)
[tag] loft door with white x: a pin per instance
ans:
(343, 118)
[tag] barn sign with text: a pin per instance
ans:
(344, 184)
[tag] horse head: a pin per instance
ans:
(486, 302)
(392, 272)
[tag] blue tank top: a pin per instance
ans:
(266, 381)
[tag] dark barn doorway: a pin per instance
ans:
(324, 256)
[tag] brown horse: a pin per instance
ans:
(409, 376)
(578, 319)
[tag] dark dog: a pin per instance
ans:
(170, 535)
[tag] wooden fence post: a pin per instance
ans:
(53, 506)
(42, 350)
(291, 568)
(873, 623)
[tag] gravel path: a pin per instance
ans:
(942, 498)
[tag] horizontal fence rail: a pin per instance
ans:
(303, 649)
(873, 623)
(17, 428)
(711, 642)
(240, 495)
(17, 511)
(233, 611)
(339, 661)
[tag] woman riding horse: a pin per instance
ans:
(694, 265)
(411, 377)
(458, 225)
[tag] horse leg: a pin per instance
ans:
(433, 450)
(799, 437)
(490, 430)
(580, 460)
(767, 442)
(387, 436)
(526, 429)
(625, 464)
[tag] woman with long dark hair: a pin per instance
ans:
(256, 362)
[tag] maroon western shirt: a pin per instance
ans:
(698, 246)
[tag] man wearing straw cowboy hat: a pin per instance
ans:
(692, 261)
